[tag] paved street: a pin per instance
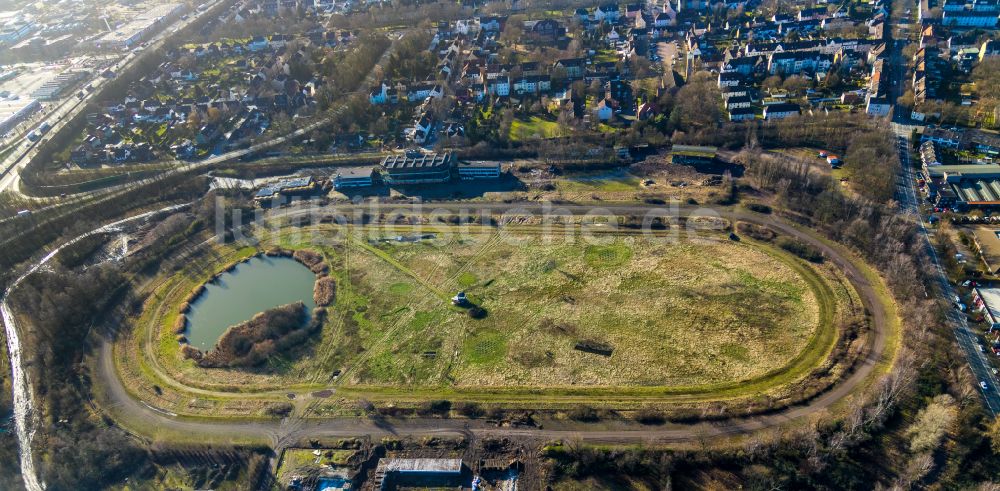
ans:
(910, 200)
(910, 203)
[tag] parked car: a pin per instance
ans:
(983, 385)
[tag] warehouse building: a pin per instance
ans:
(125, 36)
(55, 88)
(478, 170)
(281, 190)
(13, 113)
(353, 177)
(418, 168)
(964, 186)
(425, 473)
(987, 301)
(141, 27)
(987, 242)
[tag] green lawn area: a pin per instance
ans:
(606, 55)
(536, 128)
(675, 314)
(609, 182)
(681, 318)
(606, 128)
(299, 461)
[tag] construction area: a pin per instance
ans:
(432, 463)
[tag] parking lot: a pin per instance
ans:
(30, 77)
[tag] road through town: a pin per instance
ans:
(909, 198)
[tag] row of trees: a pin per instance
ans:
(71, 309)
(930, 384)
(22, 237)
(64, 307)
(10, 471)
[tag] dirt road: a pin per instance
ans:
(147, 421)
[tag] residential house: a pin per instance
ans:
(548, 28)
(492, 23)
(982, 142)
(742, 114)
(966, 58)
(608, 12)
(421, 91)
(959, 41)
(531, 68)
(618, 90)
(604, 110)
(782, 18)
(736, 91)
(422, 128)
(738, 102)
(383, 94)
(575, 67)
(767, 48)
(532, 84)
(929, 154)
(499, 86)
(781, 111)
(941, 137)
(743, 65)
(731, 79)
(665, 19)
(798, 62)
(258, 43)
(812, 14)
(646, 110)
(927, 69)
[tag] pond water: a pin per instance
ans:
(253, 287)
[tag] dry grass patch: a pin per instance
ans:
(324, 291)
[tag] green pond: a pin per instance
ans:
(254, 286)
